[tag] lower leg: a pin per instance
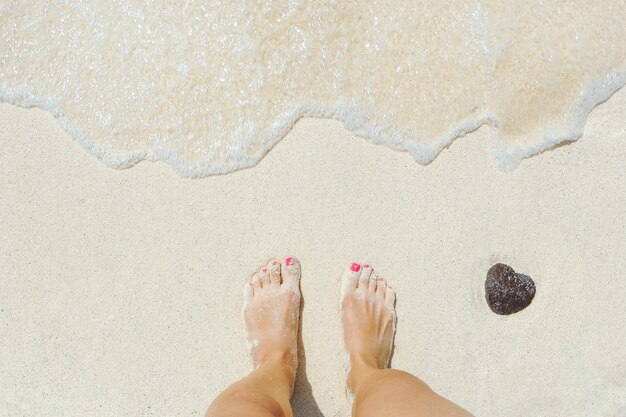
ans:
(369, 325)
(263, 393)
(390, 392)
(271, 312)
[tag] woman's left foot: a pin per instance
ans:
(271, 311)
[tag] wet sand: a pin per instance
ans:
(121, 289)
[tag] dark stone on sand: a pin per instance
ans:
(508, 292)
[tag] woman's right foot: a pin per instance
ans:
(369, 318)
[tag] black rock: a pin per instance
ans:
(508, 292)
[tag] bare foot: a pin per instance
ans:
(271, 311)
(369, 317)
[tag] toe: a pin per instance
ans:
(350, 277)
(373, 282)
(264, 275)
(390, 297)
(274, 271)
(248, 292)
(255, 281)
(290, 271)
(364, 279)
(381, 287)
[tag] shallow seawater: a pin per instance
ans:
(211, 87)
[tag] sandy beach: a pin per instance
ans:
(121, 289)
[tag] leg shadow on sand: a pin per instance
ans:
(302, 401)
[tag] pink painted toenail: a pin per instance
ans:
(355, 267)
(379, 279)
(366, 266)
(274, 263)
(264, 270)
(288, 261)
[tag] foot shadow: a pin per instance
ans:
(302, 401)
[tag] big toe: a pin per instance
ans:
(350, 277)
(290, 271)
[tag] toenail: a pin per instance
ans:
(355, 267)
(264, 270)
(274, 263)
(379, 279)
(366, 266)
(288, 261)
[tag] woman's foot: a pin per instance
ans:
(271, 311)
(369, 319)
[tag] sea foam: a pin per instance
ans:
(211, 87)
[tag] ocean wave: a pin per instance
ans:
(211, 88)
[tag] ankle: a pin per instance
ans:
(281, 363)
(361, 367)
(272, 358)
(364, 361)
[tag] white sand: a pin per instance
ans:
(120, 290)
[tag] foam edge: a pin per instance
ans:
(354, 118)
